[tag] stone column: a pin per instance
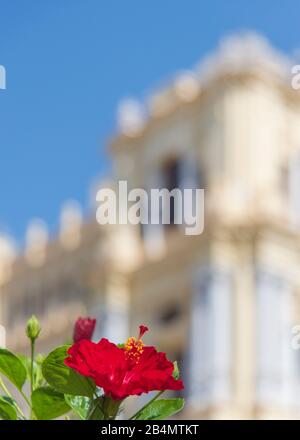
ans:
(210, 354)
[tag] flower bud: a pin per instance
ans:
(84, 329)
(33, 328)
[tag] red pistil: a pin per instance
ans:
(143, 330)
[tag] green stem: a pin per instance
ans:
(110, 408)
(147, 404)
(4, 388)
(25, 398)
(32, 346)
(32, 363)
(2, 385)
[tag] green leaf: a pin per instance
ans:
(12, 367)
(79, 404)
(7, 409)
(38, 379)
(176, 372)
(48, 404)
(26, 363)
(64, 379)
(160, 409)
(95, 411)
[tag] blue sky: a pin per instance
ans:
(68, 64)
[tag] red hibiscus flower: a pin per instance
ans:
(121, 372)
(84, 329)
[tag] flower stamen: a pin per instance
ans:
(134, 347)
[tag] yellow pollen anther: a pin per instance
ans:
(134, 348)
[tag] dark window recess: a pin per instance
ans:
(171, 178)
(284, 179)
(200, 180)
(171, 314)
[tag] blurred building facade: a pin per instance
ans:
(224, 302)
